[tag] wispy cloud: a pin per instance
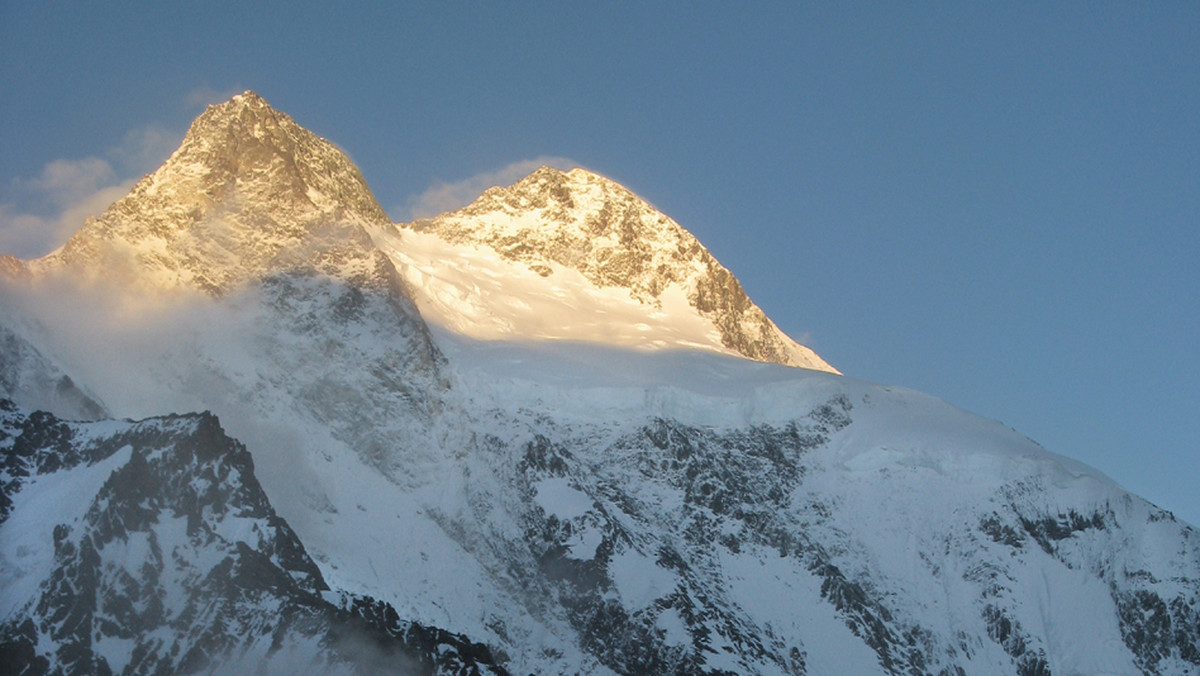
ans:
(41, 212)
(441, 197)
(28, 235)
(206, 95)
(66, 182)
(144, 149)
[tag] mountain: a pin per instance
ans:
(617, 253)
(149, 547)
(249, 192)
(548, 423)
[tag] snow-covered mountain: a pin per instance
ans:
(575, 256)
(549, 424)
(248, 193)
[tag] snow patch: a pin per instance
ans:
(639, 580)
(556, 496)
(675, 631)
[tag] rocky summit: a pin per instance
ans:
(247, 193)
(251, 425)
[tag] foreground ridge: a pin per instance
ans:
(170, 559)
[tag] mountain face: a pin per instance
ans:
(543, 432)
(26, 374)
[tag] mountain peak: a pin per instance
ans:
(246, 115)
(561, 184)
(248, 191)
(593, 225)
(247, 99)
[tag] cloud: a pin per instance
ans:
(44, 211)
(144, 149)
(30, 236)
(144, 352)
(24, 235)
(205, 95)
(66, 182)
(442, 197)
(68, 191)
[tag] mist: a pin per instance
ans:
(144, 353)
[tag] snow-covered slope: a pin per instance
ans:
(31, 379)
(761, 519)
(528, 474)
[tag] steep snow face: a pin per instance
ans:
(575, 256)
(470, 290)
(249, 192)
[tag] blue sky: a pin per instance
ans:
(998, 204)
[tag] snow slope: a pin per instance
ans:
(473, 291)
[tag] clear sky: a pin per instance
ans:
(998, 204)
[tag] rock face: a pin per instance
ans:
(168, 558)
(574, 506)
(588, 223)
